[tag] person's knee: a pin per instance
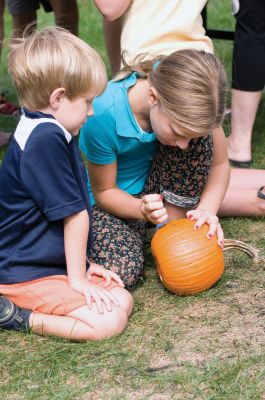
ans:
(90, 325)
(124, 298)
(115, 324)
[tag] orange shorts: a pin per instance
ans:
(49, 295)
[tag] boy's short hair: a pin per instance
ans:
(52, 58)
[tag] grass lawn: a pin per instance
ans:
(209, 346)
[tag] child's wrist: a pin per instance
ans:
(77, 280)
(209, 209)
(140, 211)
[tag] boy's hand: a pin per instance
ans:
(93, 292)
(205, 217)
(152, 209)
(98, 270)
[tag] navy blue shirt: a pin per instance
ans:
(42, 181)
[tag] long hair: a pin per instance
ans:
(191, 86)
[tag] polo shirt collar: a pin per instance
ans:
(126, 124)
(36, 114)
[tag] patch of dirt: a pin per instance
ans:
(119, 393)
(223, 329)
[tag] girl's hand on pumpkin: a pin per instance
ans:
(205, 217)
(152, 209)
(106, 274)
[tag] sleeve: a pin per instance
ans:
(47, 173)
(97, 141)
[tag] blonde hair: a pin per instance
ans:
(52, 58)
(191, 87)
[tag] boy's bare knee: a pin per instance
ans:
(95, 326)
(124, 298)
(115, 323)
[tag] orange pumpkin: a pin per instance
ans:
(187, 262)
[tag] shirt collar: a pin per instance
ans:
(36, 114)
(126, 124)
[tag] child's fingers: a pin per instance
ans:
(98, 300)
(103, 295)
(107, 297)
(154, 205)
(116, 278)
(148, 198)
(112, 298)
(100, 271)
(88, 298)
(161, 220)
(193, 214)
(210, 219)
(158, 218)
(91, 294)
(212, 230)
(202, 218)
(200, 221)
(100, 296)
(106, 275)
(159, 213)
(220, 236)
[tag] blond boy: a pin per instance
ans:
(45, 234)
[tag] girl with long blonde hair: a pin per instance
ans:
(156, 151)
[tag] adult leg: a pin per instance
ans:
(246, 179)
(244, 109)
(118, 246)
(241, 198)
(24, 16)
(66, 14)
(26, 21)
(112, 35)
(242, 203)
(248, 76)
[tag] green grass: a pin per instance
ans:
(209, 346)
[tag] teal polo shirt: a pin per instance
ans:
(112, 134)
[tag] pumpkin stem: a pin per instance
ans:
(237, 244)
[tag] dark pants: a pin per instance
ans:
(248, 71)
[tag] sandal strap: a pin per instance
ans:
(260, 193)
